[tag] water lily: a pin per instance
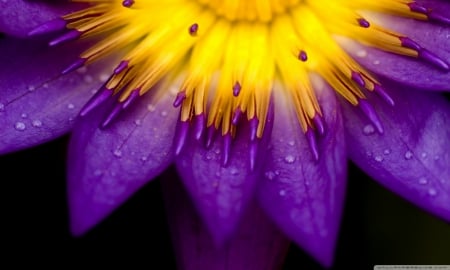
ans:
(259, 104)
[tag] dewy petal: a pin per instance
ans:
(19, 17)
(411, 71)
(257, 244)
(37, 104)
(412, 157)
(303, 196)
(107, 166)
(221, 193)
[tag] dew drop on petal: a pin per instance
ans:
(291, 143)
(137, 122)
(282, 192)
(269, 175)
(36, 123)
(378, 158)
(234, 171)
(117, 153)
(24, 115)
(163, 113)
(368, 129)
(432, 192)
(289, 159)
(423, 155)
(31, 88)
(70, 106)
(2, 107)
(386, 151)
(423, 181)
(151, 107)
(20, 126)
(408, 155)
(143, 158)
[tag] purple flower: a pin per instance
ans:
(257, 106)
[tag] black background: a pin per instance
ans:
(378, 227)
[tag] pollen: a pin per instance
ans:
(228, 55)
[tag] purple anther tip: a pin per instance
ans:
(236, 89)
(69, 36)
(48, 27)
(385, 96)
(438, 17)
(371, 114)
(211, 131)
(358, 79)
(181, 96)
(253, 151)
(181, 137)
(433, 59)
(127, 3)
(319, 124)
(193, 29)
(121, 67)
(312, 142)
(409, 43)
(363, 23)
(131, 98)
(226, 149)
(416, 7)
(111, 116)
(254, 122)
(303, 56)
(101, 96)
(75, 65)
(236, 116)
(199, 125)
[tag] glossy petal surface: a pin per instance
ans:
(107, 166)
(412, 157)
(257, 244)
(37, 104)
(303, 196)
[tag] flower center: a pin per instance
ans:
(226, 56)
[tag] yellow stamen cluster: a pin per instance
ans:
(228, 54)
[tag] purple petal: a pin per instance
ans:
(407, 70)
(304, 196)
(221, 193)
(257, 244)
(107, 166)
(19, 17)
(37, 104)
(412, 157)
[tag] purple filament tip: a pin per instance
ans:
(226, 148)
(319, 124)
(312, 142)
(254, 122)
(363, 23)
(253, 152)
(432, 14)
(181, 137)
(382, 93)
(302, 56)
(101, 96)
(179, 99)
(112, 115)
(131, 98)
(127, 3)
(236, 89)
(210, 135)
(199, 125)
(69, 36)
(236, 116)
(75, 65)
(371, 114)
(48, 27)
(121, 67)
(358, 79)
(193, 29)
(424, 54)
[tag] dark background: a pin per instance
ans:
(378, 227)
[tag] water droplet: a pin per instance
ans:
(164, 113)
(20, 126)
(376, 62)
(270, 175)
(24, 115)
(361, 53)
(282, 192)
(423, 155)
(289, 159)
(151, 107)
(70, 106)
(408, 155)
(217, 173)
(36, 123)
(117, 153)
(31, 88)
(378, 158)
(88, 79)
(291, 143)
(144, 158)
(432, 192)
(2, 107)
(103, 77)
(137, 122)
(436, 157)
(45, 85)
(423, 181)
(277, 172)
(234, 171)
(208, 157)
(368, 129)
(386, 151)
(369, 154)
